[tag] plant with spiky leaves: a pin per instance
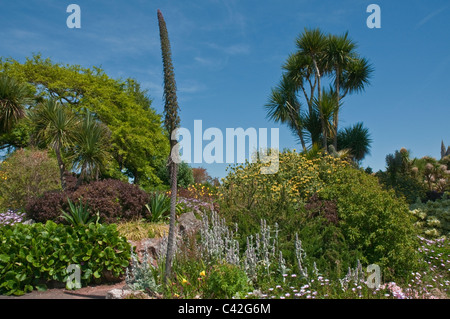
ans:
(13, 98)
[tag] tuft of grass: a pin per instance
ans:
(140, 229)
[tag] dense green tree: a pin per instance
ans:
(185, 175)
(172, 122)
(138, 140)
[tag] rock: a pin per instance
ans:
(151, 246)
(188, 223)
(29, 222)
(126, 294)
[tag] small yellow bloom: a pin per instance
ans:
(184, 281)
(203, 274)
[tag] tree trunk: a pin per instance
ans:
(62, 168)
(319, 96)
(336, 114)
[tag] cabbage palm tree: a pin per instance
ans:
(90, 151)
(318, 55)
(14, 96)
(55, 126)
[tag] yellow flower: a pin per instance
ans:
(203, 274)
(184, 281)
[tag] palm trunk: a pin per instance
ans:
(61, 166)
(336, 114)
(319, 96)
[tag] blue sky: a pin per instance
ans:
(228, 55)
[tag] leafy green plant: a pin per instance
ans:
(226, 281)
(33, 255)
(80, 214)
(159, 208)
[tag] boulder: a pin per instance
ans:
(188, 223)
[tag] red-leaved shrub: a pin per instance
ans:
(113, 199)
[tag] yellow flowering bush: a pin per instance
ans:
(297, 179)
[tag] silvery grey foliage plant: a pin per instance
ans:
(140, 275)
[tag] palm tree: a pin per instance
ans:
(91, 148)
(54, 126)
(357, 139)
(171, 122)
(14, 96)
(318, 55)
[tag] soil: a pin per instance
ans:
(89, 292)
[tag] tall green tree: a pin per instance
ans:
(171, 122)
(139, 141)
(55, 126)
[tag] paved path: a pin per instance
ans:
(90, 292)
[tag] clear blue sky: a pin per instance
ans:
(228, 55)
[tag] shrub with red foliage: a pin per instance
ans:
(325, 208)
(113, 199)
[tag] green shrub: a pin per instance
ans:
(33, 255)
(374, 221)
(26, 174)
(404, 186)
(432, 218)
(226, 281)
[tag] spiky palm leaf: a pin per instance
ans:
(357, 139)
(14, 96)
(91, 149)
